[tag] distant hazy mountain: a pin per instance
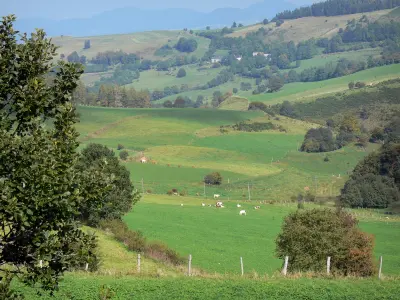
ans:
(125, 20)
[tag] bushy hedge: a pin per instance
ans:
(308, 237)
(135, 241)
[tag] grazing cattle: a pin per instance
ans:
(203, 204)
(238, 206)
(242, 212)
(257, 207)
(209, 205)
(181, 204)
(175, 194)
(219, 204)
(216, 196)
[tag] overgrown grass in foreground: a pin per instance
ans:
(87, 287)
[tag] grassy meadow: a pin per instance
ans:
(87, 287)
(142, 43)
(305, 91)
(217, 238)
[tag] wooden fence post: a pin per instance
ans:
(284, 271)
(190, 265)
(87, 267)
(380, 267)
(241, 265)
(138, 263)
(328, 265)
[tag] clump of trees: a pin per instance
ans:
(318, 140)
(336, 7)
(214, 178)
(375, 181)
(186, 45)
(308, 237)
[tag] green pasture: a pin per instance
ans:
(184, 145)
(158, 80)
(323, 59)
(223, 88)
(303, 91)
(88, 287)
(217, 238)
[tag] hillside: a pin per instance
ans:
(143, 44)
(302, 29)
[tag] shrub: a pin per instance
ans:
(120, 147)
(235, 90)
(124, 155)
(214, 178)
(170, 192)
(148, 191)
(160, 251)
(308, 237)
(133, 240)
(326, 159)
(181, 73)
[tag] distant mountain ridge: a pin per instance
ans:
(127, 20)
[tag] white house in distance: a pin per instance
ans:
(215, 60)
(266, 55)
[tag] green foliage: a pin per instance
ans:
(318, 140)
(168, 104)
(135, 241)
(86, 44)
(41, 191)
(337, 7)
(120, 147)
(287, 109)
(214, 178)
(370, 191)
(181, 73)
(120, 199)
(124, 155)
(254, 127)
(308, 237)
(275, 84)
(186, 45)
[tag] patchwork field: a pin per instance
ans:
(185, 145)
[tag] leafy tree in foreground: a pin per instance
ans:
(308, 237)
(117, 201)
(40, 190)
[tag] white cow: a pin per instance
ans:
(182, 204)
(238, 206)
(203, 204)
(216, 196)
(242, 212)
(219, 204)
(257, 207)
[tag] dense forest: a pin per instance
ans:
(338, 7)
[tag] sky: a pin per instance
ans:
(56, 9)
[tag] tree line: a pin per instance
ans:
(337, 7)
